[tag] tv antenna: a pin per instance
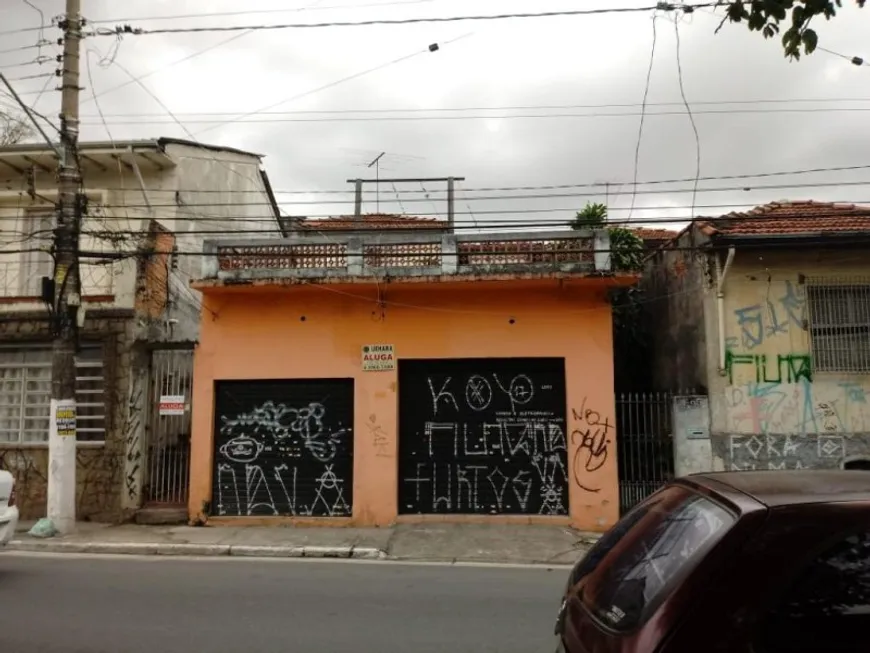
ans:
(377, 164)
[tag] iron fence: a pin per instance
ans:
(645, 444)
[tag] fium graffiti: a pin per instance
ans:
(782, 368)
(591, 439)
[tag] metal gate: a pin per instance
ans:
(645, 445)
(167, 473)
(482, 436)
(283, 447)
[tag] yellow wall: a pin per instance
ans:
(772, 408)
(257, 333)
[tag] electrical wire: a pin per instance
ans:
(650, 191)
(689, 112)
(505, 226)
(548, 116)
(225, 14)
(127, 29)
(755, 175)
(333, 84)
(856, 61)
(643, 112)
(544, 107)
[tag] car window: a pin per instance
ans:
(669, 536)
(828, 606)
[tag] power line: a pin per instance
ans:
(690, 114)
(127, 29)
(756, 175)
(543, 107)
(646, 86)
(655, 191)
(720, 112)
(431, 48)
(211, 217)
(225, 14)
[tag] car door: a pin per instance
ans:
(794, 557)
(825, 604)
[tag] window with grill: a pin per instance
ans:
(25, 394)
(839, 326)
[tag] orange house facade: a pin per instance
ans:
(368, 377)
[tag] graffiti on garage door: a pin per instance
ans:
(482, 436)
(284, 447)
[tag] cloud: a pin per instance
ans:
(575, 62)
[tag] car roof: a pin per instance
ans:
(781, 488)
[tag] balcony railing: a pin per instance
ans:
(323, 255)
(16, 280)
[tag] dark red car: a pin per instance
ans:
(736, 562)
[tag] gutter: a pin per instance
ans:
(721, 274)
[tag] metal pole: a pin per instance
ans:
(357, 199)
(450, 204)
(67, 299)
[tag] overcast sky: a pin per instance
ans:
(491, 71)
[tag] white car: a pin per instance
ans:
(8, 509)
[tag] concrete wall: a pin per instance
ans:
(770, 409)
(313, 332)
(676, 283)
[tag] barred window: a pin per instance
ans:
(839, 326)
(25, 395)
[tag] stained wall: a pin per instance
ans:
(309, 332)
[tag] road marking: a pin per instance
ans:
(237, 559)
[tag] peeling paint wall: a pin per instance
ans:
(770, 408)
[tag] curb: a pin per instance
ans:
(197, 550)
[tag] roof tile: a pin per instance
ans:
(373, 221)
(790, 218)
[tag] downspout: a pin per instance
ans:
(721, 273)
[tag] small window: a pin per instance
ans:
(828, 607)
(839, 321)
(669, 536)
(25, 394)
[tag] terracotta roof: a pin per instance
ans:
(655, 234)
(790, 218)
(372, 221)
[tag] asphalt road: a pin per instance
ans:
(133, 605)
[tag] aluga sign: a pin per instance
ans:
(378, 358)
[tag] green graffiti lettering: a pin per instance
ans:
(785, 368)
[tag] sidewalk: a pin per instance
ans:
(517, 544)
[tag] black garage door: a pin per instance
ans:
(283, 448)
(482, 436)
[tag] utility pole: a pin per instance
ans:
(67, 292)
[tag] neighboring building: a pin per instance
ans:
(654, 238)
(359, 377)
(768, 313)
(148, 203)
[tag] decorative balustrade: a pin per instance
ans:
(319, 255)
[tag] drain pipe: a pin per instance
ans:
(721, 273)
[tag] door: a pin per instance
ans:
(483, 436)
(283, 447)
(167, 472)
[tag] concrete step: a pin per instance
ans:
(162, 516)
